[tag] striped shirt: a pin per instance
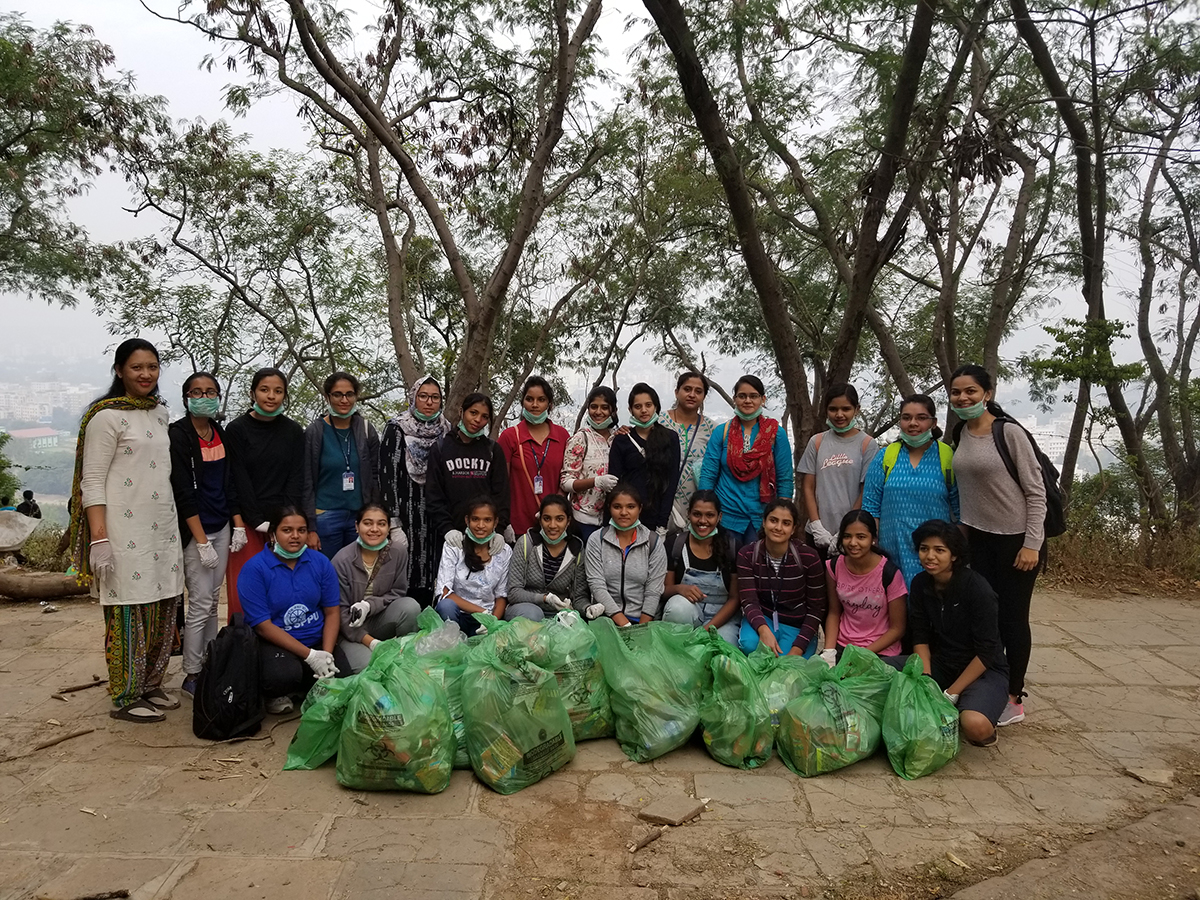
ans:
(796, 592)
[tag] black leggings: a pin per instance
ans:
(992, 556)
(282, 672)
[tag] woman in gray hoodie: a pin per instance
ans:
(373, 581)
(626, 564)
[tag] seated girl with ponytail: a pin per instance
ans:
(701, 587)
(546, 573)
(473, 574)
(866, 593)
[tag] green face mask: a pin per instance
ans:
(262, 412)
(705, 537)
(636, 523)
(367, 546)
(844, 429)
(535, 419)
(600, 426)
(974, 411)
(472, 435)
(421, 417)
(289, 554)
(635, 422)
(486, 539)
(204, 407)
(337, 415)
(748, 417)
(558, 540)
(917, 440)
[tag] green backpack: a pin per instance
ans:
(891, 454)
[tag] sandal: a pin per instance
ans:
(140, 711)
(160, 699)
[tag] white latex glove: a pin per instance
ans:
(208, 555)
(359, 612)
(100, 558)
(557, 602)
(567, 617)
(321, 663)
(510, 536)
(829, 657)
(661, 531)
(237, 540)
(821, 536)
(953, 698)
(396, 534)
(375, 642)
(606, 482)
(454, 539)
(595, 611)
(482, 629)
(263, 528)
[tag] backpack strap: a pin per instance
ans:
(891, 453)
(946, 457)
(1002, 449)
(889, 573)
(865, 444)
(817, 444)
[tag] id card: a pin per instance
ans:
(347, 481)
(537, 484)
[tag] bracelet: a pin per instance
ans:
(98, 541)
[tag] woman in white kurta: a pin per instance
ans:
(125, 533)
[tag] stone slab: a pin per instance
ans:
(671, 810)
(257, 879)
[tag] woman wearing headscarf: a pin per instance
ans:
(404, 466)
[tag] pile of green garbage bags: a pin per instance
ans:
(511, 705)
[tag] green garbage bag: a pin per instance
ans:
(442, 654)
(825, 728)
(781, 678)
(867, 677)
(566, 646)
(321, 714)
(397, 733)
(517, 727)
(658, 674)
(735, 715)
(920, 726)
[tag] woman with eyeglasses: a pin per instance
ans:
(341, 467)
(910, 482)
(408, 442)
(210, 521)
(748, 462)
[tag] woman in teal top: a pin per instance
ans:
(748, 462)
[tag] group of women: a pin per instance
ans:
(331, 538)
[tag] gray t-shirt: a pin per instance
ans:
(841, 468)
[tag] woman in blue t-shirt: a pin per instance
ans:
(290, 597)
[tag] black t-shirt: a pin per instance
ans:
(701, 565)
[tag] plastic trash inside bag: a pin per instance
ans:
(321, 714)
(566, 646)
(781, 678)
(397, 733)
(867, 677)
(825, 728)
(441, 652)
(920, 726)
(735, 715)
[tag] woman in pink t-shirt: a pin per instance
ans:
(866, 591)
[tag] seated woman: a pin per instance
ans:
(701, 581)
(952, 613)
(473, 574)
(626, 564)
(290, 598)
(781, 585)
(546, 573)
(866, 593)
(373, 583)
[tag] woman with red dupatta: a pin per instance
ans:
(748, 461)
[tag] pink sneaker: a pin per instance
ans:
(1013, 713)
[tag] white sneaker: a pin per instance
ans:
(277, 706)
(1013, 713)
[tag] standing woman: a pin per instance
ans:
(910, 482)
(408, 441)
(1004, 516)
(647, 457)
(546, 572)
(341, 467)
(626, 564)
(207, 503)
(834, 466)
(266, 454)
(694, 430)
(131, 557)
(466, 466)
(533, 449)
(748, 462)
(782, 586)
(585, 477)
(701, 586)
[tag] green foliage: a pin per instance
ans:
(1084, 351)
(10, 483)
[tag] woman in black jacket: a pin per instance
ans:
(210, 521)
(466, 466)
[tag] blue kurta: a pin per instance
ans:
(907, 498)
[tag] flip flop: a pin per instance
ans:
(160, 699)
(140, 711)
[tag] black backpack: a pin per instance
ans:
(228, 702)
(1056, 509)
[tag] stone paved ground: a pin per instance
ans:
(150, 809)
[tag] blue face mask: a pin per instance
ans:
(612, 522)
(558, 540)
(974, 411)
(289, 554)
(917, 440)
(204, 407)
(535, 419)
(367, 546)
(262, 412)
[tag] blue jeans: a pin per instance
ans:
(452, 612)
(335, 528)
(785, 634)
(530, 611)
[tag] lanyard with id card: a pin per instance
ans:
(348, 475)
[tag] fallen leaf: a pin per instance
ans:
(958, 862)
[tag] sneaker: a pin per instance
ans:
(277, 706)
(990, 741)
(1013, 713)
(189, 686)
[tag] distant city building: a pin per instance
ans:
(36, 401)
(35, 440)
